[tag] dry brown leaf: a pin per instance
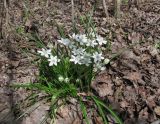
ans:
(130, 94)
(15, 63)
(151, 101)
(134, 37)
(134, 76)
(28, 23)
(63, 111)
(124, 104)
(103, 85)
(144, 113)
(105, 89)
(157, 110)
(76, 121)
(98, 120)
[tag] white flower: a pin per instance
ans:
(75, 59)
(64, 41)
(100, 40)
(97, 57)
(91, 43)
(60, 78)
(75, 37)
(53, 60)
(81, 38)
(72, 46)
(79, 51)
(86, 59)
(99, 66)
(45, 52)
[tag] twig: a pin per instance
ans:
(73, 11)
(105, 8)
(6, 5)
(1, 19)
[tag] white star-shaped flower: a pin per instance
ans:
(81, 38)
(99, 66)
(72, 45)
(75, 59)
(86, 59)
(75, 37)
(97, 57)
(100, 40)
(45, 52)
(64, 41)
(78, 51)
(53, 60)
(91, 43)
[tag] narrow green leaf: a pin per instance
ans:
(101, 111)
(84, 111)
(110, 110)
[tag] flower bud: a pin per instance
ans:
(60, 78)
(103, 68)
(50, 45)
(106, 61)
(95, 69)
(77, 80)
(66, 80)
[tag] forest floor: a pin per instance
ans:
(131, 83)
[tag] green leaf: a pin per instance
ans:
(84, 111)
(35, 86)
(101, 111)
(118, 120)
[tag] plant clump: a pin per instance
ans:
(67, 69)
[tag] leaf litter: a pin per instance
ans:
(131, 83)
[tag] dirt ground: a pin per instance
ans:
(131, 83)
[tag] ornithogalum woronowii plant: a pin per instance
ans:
(76, 59)
(70, 67)
(67, 69)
